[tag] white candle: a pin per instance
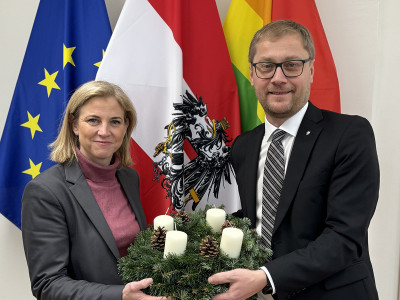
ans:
(215, 217)
(175, 242)
(231, 241)
(164, 221)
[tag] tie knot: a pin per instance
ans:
(278, 135)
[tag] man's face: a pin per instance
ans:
(282, 97)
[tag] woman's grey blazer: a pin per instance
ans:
(69, 247)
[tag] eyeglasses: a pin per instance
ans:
(290, 68)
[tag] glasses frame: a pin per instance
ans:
(280, 66)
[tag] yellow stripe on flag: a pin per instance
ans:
(260, 112)
(240, 24)
(243, 19)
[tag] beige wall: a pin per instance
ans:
(364, 37)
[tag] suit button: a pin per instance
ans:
(290, 295)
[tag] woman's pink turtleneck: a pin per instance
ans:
(112, 200)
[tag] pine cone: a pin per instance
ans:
(158, 238)
(209, 247)
(183, 216)
(227, 224)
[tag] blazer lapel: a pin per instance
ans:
(133, 195)
(306, 137)
(81, 190)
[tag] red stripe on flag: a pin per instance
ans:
(152, 195)
(207, 69)
(325, 88)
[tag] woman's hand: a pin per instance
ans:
(132, 291)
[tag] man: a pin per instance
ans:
(327, 191)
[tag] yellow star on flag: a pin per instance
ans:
(34, 170)
(49, 82)
(99, 63)
(32, 124)
(67, 55)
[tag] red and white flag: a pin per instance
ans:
(171, 58)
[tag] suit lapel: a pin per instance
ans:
(252, 155)
(81, 190)
(306, 137)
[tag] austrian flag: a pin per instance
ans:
(171, 58)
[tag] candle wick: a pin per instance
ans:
(175, 226)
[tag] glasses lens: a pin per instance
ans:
(265, 69)
(293, 68)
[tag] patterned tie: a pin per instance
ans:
(274, 174)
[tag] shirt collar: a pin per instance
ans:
(291, 125)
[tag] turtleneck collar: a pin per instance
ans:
(95, 172)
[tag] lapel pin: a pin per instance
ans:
(308, 132)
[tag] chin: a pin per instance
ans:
(279, 108)
(103, 156)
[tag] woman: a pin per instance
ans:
(80, 216)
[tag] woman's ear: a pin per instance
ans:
(74, 125)
(126, 123)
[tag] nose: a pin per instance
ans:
(279, 76)
(103, 129)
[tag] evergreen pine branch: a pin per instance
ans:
(185, 277)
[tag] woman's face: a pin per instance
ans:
(101, 128)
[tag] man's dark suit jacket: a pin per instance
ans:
(70, 249)
(329, 195)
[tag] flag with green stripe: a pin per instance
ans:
(243, 19)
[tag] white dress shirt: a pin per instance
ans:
(291, 126)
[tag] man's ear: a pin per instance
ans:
(252, 74)
(312, 70)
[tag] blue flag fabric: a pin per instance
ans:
(66, 46)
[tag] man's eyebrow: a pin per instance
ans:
(268, 59)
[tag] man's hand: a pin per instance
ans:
(243, 283)
(132, 291)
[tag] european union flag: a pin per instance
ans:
(66, 46)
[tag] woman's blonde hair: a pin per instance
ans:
(63, 148)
